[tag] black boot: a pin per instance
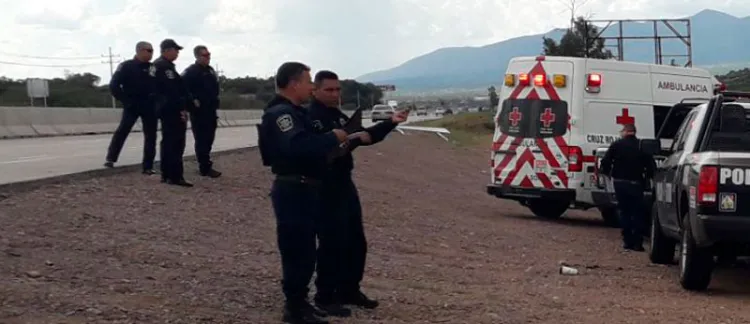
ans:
(358, 299)
(303, 313)
(329, 304)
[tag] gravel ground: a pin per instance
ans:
(126, 249)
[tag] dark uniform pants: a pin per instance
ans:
(204, 126)
(172, 144)
(629, 196)
(130, 115)
(342, 247)
(295, 206)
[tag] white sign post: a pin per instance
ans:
(37, 88)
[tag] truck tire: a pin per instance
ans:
(696, 263)
(549, 209)
(610, 216)
(661, 248)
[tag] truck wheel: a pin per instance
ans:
(661, 249)
(547, 208)
(696, 264)
(610, 216)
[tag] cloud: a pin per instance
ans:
(252, 37)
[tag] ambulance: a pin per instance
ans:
(555, 112)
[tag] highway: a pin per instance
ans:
(38, 158)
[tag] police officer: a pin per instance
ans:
(133, 85)
(342, 245)
(630, 169)
(298, 158)
(203, 85)
(172, 98)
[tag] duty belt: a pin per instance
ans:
(297, 179)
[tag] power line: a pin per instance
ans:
(111, 60)
(48, 65)
(50, 57)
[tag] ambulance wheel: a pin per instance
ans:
(696, 263)
(661, 249)
(549, 209)
(610, 216)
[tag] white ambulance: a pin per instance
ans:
(556, 111)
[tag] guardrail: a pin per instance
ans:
(19, 122)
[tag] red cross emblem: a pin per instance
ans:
(547, 117)
(515, 116)
(625, 119)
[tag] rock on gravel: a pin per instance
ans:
(126, 249)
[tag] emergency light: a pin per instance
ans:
(523, 79)
(559, 80)
(540, 80)
(510, 80)
(594, 83)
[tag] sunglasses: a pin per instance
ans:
(332, 89)
(150, 50)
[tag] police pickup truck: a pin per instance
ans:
(702, 190)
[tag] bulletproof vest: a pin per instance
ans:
(265, 155)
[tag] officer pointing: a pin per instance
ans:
(342, 245)
(630, 169)
(133, 85)
(297, 156)
(203, 85)
(172, 98)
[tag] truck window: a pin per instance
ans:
(737, 140)
(682, 133)
(533, 118)
(675, 121)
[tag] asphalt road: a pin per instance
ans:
(38, 158)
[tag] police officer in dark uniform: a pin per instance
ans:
(630, 169)
(342, 245)
(203, 85)
(297, 156)
(133, 85)
(172, 98)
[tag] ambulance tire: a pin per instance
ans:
(696, 263)
(610, 216)
(549, 209)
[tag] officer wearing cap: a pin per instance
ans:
(630, 169)
(133, 85)
(297, 156)
(172, 98)
(203, 85)
(342, 245)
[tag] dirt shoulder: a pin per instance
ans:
(126, 249)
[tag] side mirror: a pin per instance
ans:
(651, 146)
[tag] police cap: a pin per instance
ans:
(168, 44)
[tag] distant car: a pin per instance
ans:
(382, 112)
(440, 111)
(422, 112)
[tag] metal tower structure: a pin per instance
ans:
(656, 37)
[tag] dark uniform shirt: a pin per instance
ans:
(170, 89)
(292, 145)
(133, 82)
(203, 84)
(325, 119)
(624, 160)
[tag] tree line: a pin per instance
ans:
(581, 41)
(85, 90)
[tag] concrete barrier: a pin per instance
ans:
(18, 122)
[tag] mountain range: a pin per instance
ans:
(719, 42)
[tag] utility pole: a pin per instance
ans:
(111, 60)
(358, 105)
